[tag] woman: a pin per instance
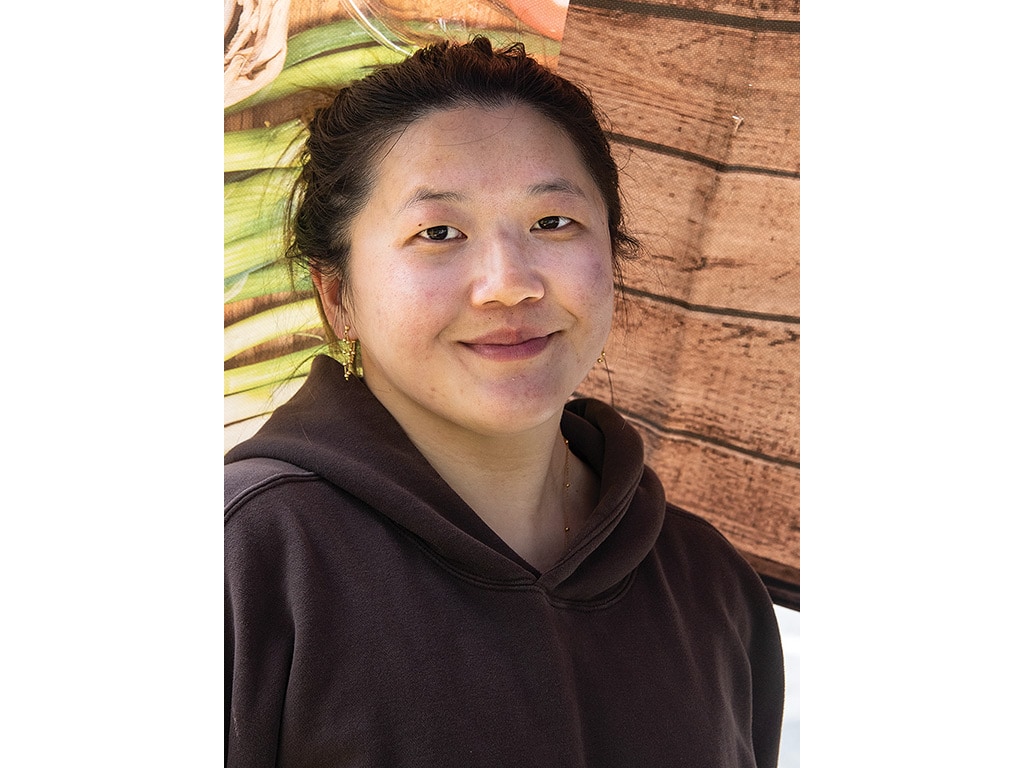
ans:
(432, 559)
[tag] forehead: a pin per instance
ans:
(512, 146)
(472, 123)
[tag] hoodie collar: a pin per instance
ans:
(340, 431)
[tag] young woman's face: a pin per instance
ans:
(480, 279)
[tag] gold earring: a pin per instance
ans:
(350, 356)
(602, 359)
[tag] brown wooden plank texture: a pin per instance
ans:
(735, 12)
(703, 104)
(678, 83)
(719, 239)
(721, 378)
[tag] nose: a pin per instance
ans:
(507, 273)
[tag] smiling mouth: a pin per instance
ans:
(509, 347)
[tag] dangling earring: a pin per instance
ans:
(602, 360)
(350, 355)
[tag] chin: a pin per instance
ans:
(519, 411)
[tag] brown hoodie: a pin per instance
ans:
(374, 620)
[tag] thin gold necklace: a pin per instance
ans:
(565, 494)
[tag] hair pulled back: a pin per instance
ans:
(347, 137)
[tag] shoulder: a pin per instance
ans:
(271, 505)
(247, 479)
(282, 525)
(695, 531)
(701, 555)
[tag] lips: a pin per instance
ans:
(509, 344)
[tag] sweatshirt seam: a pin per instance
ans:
(495, 585)
(246, 494)
(249, 492)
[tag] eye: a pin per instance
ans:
(552, 222)
(442, 232)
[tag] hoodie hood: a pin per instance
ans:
(338, 430)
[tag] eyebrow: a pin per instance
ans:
(557, 186)
(427, 195)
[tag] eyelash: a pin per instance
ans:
(561, 221)
(426, 234)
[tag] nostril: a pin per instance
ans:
(507, 276)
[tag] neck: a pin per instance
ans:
(515, 482)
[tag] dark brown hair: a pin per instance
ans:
(347, 137)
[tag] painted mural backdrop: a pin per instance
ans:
(702, 97)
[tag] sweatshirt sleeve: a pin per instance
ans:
(766, 664)
(737, 599)
(259, 636)
(768, 672)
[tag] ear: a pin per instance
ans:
(330, 293)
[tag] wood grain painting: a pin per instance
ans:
(703, 104)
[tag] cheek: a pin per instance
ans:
(596, 288)
(404, 306)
